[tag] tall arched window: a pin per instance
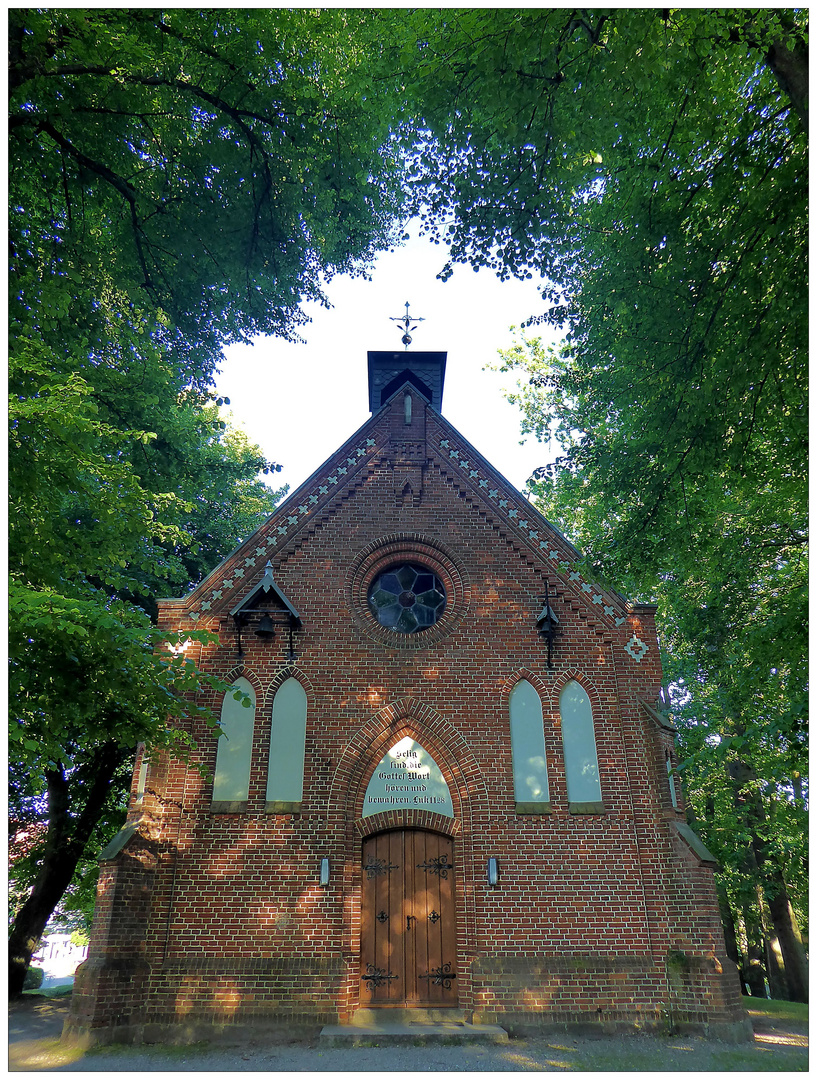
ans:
(142, 774)
(671, 780)
(234, 753)
(530, 777)
(579, 742)
(285, 783)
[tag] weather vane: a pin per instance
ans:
(407, 321)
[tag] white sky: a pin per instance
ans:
(299, 403)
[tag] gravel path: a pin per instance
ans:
(778, 1045)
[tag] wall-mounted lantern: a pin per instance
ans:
(493, 873)
(548, 625)
(270, 618)
(324, 872)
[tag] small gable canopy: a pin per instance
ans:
(266, 587)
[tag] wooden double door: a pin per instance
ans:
(408, 926)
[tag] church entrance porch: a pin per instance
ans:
(408, 921)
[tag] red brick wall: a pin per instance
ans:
(588, 907)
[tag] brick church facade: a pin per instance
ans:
(448, 783)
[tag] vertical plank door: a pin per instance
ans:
(408, 928)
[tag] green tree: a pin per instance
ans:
(91, 543)
(177, 180)
(211, 165)
(651, 167)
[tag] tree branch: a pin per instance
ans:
(128, 192)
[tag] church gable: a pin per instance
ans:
(313, 500)
(395, 449)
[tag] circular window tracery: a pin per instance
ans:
(407, 597)
(387, 555)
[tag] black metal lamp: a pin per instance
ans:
(548, 625)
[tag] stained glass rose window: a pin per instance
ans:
(407, 598)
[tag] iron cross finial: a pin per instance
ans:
(407, 321)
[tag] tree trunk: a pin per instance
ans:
(788, 938)
(52, 881)
(729, 931)
(69, 829)
(790, 67)
(770, 880)
(778, 985)
(784, 932)
(775, 966)
(754, 971)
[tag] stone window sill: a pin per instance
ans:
(533, 808)
(277, 806)
(222, 807)
(586, 808)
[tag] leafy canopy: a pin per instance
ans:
(650, 168)
(207, 165)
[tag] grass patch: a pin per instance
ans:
(35, 1055)
(777, 1060)
(777, 1010)
(51, 992)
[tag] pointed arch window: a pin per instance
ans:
(530, 778)
(579, 743)
(141, 774)
(285, 780)
(671, 780)
(231, 785)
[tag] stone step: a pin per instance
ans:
(367, 1017)
(384, 1027)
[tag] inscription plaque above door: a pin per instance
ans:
(407, 778)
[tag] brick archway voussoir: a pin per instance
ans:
(407, 819)
(406, 716)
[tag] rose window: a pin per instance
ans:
(407, 598)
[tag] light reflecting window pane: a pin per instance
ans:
(579, 741)
(234, 753)
(671, 779)
(530, 779)
(407, 598)
(287, 744)
(142, 777)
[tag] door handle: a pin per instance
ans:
(409, 919)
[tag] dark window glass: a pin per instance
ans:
(407, 598)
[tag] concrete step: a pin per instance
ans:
(367, 1017)
(385, 1027)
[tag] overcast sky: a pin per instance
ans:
(301, 402)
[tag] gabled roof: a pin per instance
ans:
(658, 718)
(269, 588)
(463, 465)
